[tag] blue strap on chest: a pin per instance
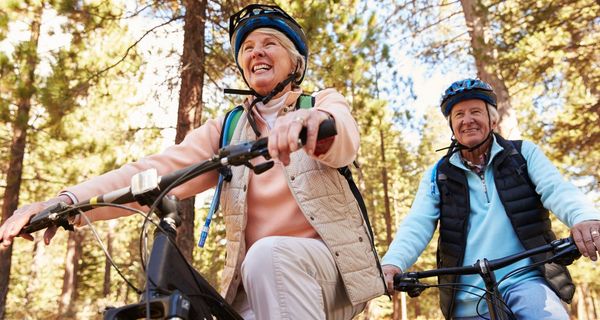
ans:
(434, 176)
(231, 119)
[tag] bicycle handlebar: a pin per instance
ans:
(235, 155)
(564, 252)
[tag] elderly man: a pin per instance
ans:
(491, 197)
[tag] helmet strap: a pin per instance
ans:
(265, 99)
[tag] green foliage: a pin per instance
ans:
(77, 100)
(548, 52)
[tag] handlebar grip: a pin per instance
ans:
(326, 129)
(408, 282)
(46, 218)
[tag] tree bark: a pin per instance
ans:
(68, 296)
(107, 266)
(396, 306)
(17, 147)
(477, 23)
(386, 197)
(189, 113)
(38, 252)
(416, 307)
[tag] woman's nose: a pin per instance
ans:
(258, 52)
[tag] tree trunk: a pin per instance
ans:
(593, 301)
(581, 314)
(367, 190)
(37, 265)
(386, 197)
(68, 296)
(107, 266)
(477, 23)
(190, 102)
(416, 307)
(396, 306)
(17, 147)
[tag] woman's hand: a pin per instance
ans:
(283, 138)
(587, 237)
(389, 271)
(13, 225)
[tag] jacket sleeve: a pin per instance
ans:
(200, 144)
(416, 229)
(345, 144)
(561, 197)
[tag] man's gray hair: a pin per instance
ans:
(493, 112)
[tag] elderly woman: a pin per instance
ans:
(297, 244)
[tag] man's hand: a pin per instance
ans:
(389, 271)
(587, 238)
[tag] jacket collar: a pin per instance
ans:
(496, 149)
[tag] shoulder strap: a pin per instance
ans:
(229, 123)
(434, 175)
(305, 102)
(520, 162)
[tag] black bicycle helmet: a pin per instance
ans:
(256, 16)
(464, 90)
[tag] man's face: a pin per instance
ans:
(470, 122)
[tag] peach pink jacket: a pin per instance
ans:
(308, 198)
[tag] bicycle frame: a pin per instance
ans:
(165, 261)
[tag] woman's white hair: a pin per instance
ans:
(297, 59)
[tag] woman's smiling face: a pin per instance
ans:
(264, 61)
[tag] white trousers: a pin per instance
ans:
(292, 278)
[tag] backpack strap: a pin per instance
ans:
(520, 163)
(434, 175)
(229, 123)
(345, 171)
(305, 102)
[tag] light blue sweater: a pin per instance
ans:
(490, 233)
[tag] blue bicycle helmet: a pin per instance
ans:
(464, 90)
(257, 16)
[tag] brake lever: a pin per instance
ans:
(406, 283)
(565, 252)
(55, 215)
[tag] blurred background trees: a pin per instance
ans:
(86, 86)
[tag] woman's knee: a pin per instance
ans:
(260, 256)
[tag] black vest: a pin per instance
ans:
(523, 206)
